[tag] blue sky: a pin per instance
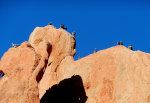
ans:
(98, 24)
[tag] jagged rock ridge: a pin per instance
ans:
(43, 70)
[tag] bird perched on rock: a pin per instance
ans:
(50, 23)
(95, 50)
(130, 47)
(62, 26)
(73, 34)
(79, 57)
(15, 45)
(120, 43)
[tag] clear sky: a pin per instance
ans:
(98, 24)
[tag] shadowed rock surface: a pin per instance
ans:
(67, 91)
(43, 69)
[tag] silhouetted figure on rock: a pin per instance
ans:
(63, 27)
(79, 57)
(50, 23)
(67, 91)
(130, 47)
(95, 50)
(120, 43)
(74, 34)
(15, 45)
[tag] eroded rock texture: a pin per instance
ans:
(43, 70)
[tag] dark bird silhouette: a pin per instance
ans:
(63, 27)
(73, 34)
(79, 57)
(15, 45)
(130, 47)
(95, 50)
(50, 23)
(120, 43)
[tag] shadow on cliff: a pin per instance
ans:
(1, 74)
(67, 91)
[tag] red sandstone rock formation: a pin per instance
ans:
(44, 69)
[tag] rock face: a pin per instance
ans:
(43, 70)
(19, 85)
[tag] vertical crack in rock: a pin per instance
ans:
(45, 59)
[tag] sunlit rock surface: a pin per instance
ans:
(43, 70)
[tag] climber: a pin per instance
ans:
(120, 43)
(15, 45)
(74, 34)
(62, 26)
(130, 47)
(95, 50)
